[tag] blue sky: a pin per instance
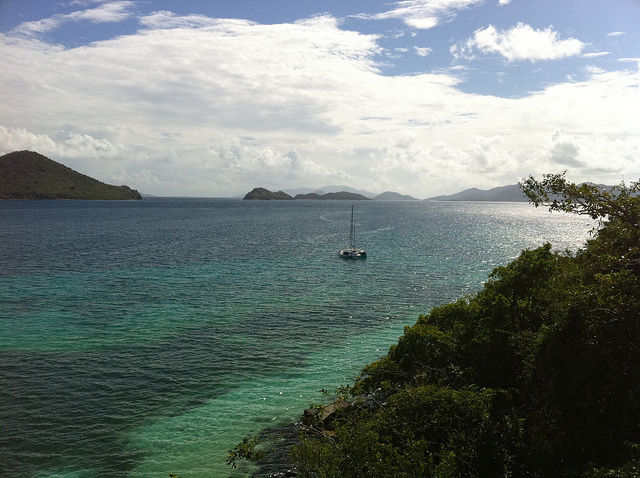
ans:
(423, 97)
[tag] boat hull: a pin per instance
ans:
(352, 254)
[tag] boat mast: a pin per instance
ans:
(352, 233)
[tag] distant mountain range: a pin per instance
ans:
(347, 194)
(343, 195)
(29, 175)
(329, 189)
(392, 196)
(265, 194)
(511, 193)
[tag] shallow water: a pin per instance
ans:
(148, 337)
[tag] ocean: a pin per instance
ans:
(143, 338)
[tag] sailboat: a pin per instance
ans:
(352, 252)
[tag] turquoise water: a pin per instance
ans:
(143, 338)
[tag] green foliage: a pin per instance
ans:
(426, 431)
(554, 191)
(246, 450)
(628, 470)
(316, 456)
(536, 375)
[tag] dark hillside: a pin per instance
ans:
(29, 175)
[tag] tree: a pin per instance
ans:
(596, 392)
(619, 202)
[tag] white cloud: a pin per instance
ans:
(504, 2)
(616, 34)
(108, 12)
(84, 3)
(423, 51)
(521, 42)
(18, 139)
(596, 154)
(191, 106)
(72, 145)
(403, 159)
(594, 133)
(564, 150)
(423, 14)
(166, 19)
(489, 155)
(596, 54)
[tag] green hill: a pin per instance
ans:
(29, 175)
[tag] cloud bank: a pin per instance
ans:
(191, 105)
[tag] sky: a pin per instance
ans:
(421, 97)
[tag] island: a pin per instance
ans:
(343, 195)
(30, 175)
(511, 193)
(393, 196)
(266, 195)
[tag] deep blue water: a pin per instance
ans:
(148, 337)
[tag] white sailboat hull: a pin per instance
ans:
(352, 253)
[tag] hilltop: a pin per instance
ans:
(30, 175)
